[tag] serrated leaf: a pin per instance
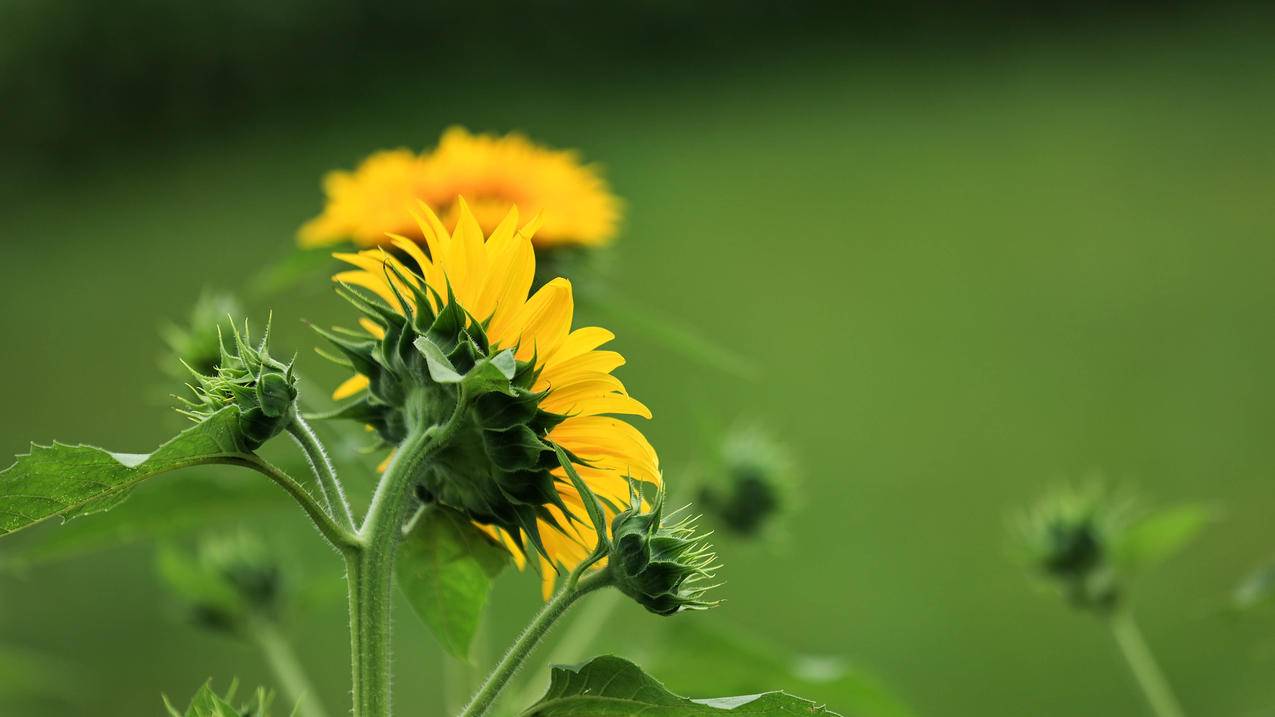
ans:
(60, 479)
(744, 662)
(445, 567)
(159, 510)
(612, 687)
(1160, 535)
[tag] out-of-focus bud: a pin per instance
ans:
(197, 342)
(1070, 538)
(754, 486)
(227, 583)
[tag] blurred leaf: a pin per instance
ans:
(161, 510)
(60, 479)
(611, 687)
(1160, 535)
(1256, 590)
(742, 662)
(207, 703)
(446, 567)
(26, 674)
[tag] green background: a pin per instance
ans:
(965, 271)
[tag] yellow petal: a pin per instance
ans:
(350, 386)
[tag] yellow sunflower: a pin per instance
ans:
(490, 279)
(494, 173)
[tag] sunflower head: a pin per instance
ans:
(449, 335)
(659, 559)
(494, 173)
(264, 389)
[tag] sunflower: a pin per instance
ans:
(494, 173)
(565, 391)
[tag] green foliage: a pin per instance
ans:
(743, 662)
(1155, 537)
(611, 687)
(207, 703)
(160, 510)
(445, 567)
(61, 479)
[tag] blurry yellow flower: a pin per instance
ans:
(493, 173)
(570, 383)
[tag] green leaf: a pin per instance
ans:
(1160, 535)
(60, 479)
(611, 687)
(158, 510)
(445, 567)
(492, 375)
(744, 662)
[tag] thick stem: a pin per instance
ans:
(523, 646)
(370, 569)
(287, 668)
(322, 466)
(1143, 665)
(584, 627)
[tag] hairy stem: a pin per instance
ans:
(322, 466)
(1143, 665)
(340, 537)
(287, 668)
(583, 628)
(370, 569)
(531, 636)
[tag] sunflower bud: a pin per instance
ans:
(1070, 538)
(658, 559)
(197, 342)
(227, 583)
(263, 388)
(754, 486)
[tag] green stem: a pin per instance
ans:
(322, 466)
(530, 637)
(370, 569)
(340, 537)
(287, 669)
(578, 635)
(1143, 665)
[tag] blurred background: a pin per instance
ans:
(968, 253)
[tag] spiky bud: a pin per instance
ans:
(263, 388)
(228, 582)
(659, 559)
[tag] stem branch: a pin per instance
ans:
(1143, 665)
(322, 466)
(340, 537)
(287, 668)
(523, 646)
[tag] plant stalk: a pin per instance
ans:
(1143, 665)
(370, 567)
(531, 636)
(322, 466)
(287, 668)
